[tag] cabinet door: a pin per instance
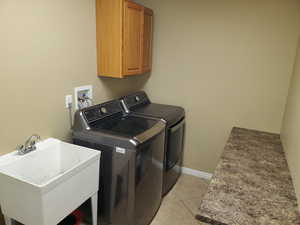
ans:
(109, 28)
(147, 40)
(133, 31)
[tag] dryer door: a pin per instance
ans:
(175, 144)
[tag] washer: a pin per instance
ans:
(174, 116)
(131, 172)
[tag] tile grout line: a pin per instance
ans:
(185, 206)
(190, 211)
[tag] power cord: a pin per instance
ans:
(70, 114)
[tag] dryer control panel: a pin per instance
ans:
(136, 99)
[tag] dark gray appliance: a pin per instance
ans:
(131, 168)
(174, 116)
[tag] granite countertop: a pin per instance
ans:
(252, 184)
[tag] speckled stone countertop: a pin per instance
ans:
(252, 184)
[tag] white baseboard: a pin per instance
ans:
(196, 173)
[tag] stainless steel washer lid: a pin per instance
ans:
(128, 126)
(112, 125)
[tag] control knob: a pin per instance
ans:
(103, 110)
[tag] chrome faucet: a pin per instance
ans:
(29, 145)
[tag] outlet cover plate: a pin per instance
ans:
(68, 101)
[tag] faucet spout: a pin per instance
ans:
(29, 145)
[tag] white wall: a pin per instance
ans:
(47, 48)
(228, 63)
(291, 126)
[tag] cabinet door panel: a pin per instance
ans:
(147, 39)
(133, 30)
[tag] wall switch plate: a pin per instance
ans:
(83, 96)
(69, 101)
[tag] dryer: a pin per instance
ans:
(139, 104)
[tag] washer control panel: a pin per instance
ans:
(101, 111)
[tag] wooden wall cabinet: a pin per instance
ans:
(124, 38)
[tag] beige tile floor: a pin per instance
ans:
(181, 203)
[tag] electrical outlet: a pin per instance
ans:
(83, 96)
(69, 101)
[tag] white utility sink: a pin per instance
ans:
(45, 185)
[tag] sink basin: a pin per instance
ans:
(45, 185)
